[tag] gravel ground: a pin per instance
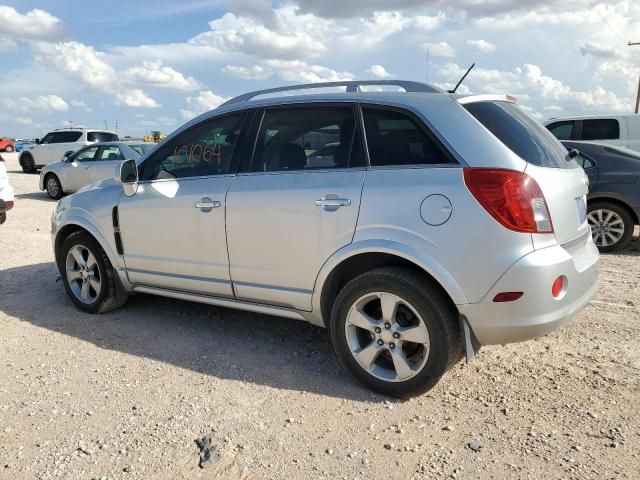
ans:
(124, 395)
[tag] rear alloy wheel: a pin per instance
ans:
(611, 226)
(54, 189)
(395, 331)
(8, 149)
(27, 163)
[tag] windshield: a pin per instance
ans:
(142, 149)
(521, 133)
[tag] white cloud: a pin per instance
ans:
(7, 45)
(136, 98)
(23, 120)
(379, 71)
(203, 102)
(439, 49)
(371, 31)
(290, 71)
(482, 45)
(34, 25)
(424, 22)
(599, 50)
(41, 102)
(157, 75)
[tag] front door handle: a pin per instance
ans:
(206, 204)
(332, 202)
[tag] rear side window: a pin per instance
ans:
(102, 137)
(562, 130)
(522, 134)
(306, 138)
(111, 152)
(600, 129)
(395, 138)
(66, 137)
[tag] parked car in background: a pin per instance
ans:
(622, 130)
(88, 165)
(7, 145)
(21, 143)
(613, 203)
(6, 192)
(54, 145)
(442, 222)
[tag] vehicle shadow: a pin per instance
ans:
(224, 343)
(632, 249)
(34, 196)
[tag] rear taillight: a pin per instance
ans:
(513, 198)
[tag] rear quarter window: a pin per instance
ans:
(600, 129)
(524, 136)
(102, 137)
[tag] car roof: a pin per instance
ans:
(591, 117)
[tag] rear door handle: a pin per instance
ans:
(206, 204)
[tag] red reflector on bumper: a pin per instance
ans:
(558, 285)
(507, 296)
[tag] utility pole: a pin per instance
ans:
(638, 94)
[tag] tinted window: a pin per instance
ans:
(48, 138)
(102, 137)
(205, 149)
(522, 134)
(85, 155)
(604, 129)
(395, 138)
(584, 161)
(111, 153)
(562, 130)
(66, 137)
(290, 137)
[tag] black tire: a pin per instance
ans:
(108, 298)
(3, 218)
(628, 224)
(429, 301)
(53, 186)
(8, 149)
(27, 163)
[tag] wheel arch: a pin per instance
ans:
(49, 174)
(355, 259)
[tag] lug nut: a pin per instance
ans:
(387, 325)
(380, 342)
(396, 335)
(378, 329)
(392, 345)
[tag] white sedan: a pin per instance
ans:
(88, 165)
(6, 192)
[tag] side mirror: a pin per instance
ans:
(67, 156)
(127, 174)
(37, 141)
(573, 153)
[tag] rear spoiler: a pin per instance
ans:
(464, 99)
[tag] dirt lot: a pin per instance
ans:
(124, 395)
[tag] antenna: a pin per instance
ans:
(462, 79)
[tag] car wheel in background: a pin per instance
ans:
(53, 186)
(8, 149)
(27, 163)
(395, 332)
(87, 274)
(611, 226)
(3, 218)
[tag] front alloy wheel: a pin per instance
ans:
(83, 274)
(54, 189)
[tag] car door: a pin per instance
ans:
(286, 218)
(173, 228)
(42, 151)
(105, 162)
(76, 173)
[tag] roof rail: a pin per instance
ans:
(352, 86)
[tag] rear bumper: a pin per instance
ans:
(6, 199)
(537, 312)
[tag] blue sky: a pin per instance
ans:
(154, 65)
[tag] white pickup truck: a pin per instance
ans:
(621, 129)
(55, 145)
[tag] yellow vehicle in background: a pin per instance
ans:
(155, 136)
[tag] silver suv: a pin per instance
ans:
(440, 223)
